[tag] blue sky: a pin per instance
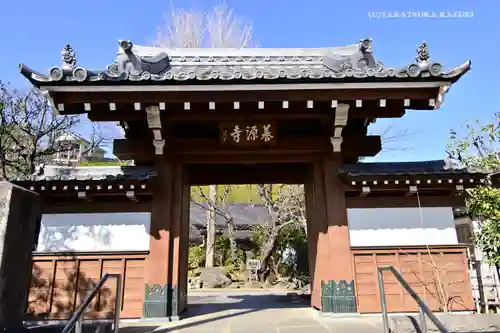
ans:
(34, 33)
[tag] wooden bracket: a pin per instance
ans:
(341, 116)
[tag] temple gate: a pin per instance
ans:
(240, 116)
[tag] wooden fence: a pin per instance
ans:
(60, 282)
(439, 275)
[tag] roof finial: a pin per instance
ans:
(365, 45)
(422, 53)
(68, 57)
(126, 45)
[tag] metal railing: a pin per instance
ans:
(423, 308)
(76, 320)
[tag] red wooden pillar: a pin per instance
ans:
(165, 288)
(332, 278)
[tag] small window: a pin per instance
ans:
(464, 233)
(64, 172)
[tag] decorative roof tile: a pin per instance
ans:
(106, 173)
(152, 65)
(436, 167)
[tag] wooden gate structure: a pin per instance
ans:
(219, 116)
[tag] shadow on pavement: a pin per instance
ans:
(138, 329)
(204, 305)
(209, 304)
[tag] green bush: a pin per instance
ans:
(196, 257)
(223, 254)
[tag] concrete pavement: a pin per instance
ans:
(253, 311)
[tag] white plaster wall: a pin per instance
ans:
(94, 232)
(401, 226)
(130, 231)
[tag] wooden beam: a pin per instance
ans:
(131, 149)
(407, 249)
(402, 188)
(152, 97)
(75, 207)
(401, 182)
(125, 115)
(377, 112)
(356, 146)
(225, 111)
(60, 190)
(260, 173)
(275, 111)
(249, 158)
(237, 116)
(351, 147)
(396, 202)
(284, 145)
(495, 180)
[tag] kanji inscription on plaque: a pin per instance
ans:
(248, 134)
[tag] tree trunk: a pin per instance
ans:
(211, 225)
(233, 248)
(266, 252)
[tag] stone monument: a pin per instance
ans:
(19, 214)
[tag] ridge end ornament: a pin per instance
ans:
(424, 67)
(131, 64)
(125, 45)
(422, 53)
(68, 57)
(365, 45)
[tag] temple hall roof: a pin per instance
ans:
(152, 65)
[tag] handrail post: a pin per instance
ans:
(77, 318)
(423, 322)
(79, 325)
(424, 309)
(383, 304)
(118, 306)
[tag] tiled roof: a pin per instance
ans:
(437, 167)
(48, 173)
(54, 173)
(152, 65)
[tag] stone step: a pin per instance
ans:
(93, 327)
(453, 322)
(290, 321)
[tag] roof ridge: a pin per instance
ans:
(404, 162)
(156, 65)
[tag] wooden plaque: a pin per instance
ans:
(248, 134)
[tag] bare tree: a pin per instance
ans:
(393, 139)
(390, 137)
(286, 207)
(29, 129)
(219, 206)
(437, 285)
(211, 226)
(219, 28)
